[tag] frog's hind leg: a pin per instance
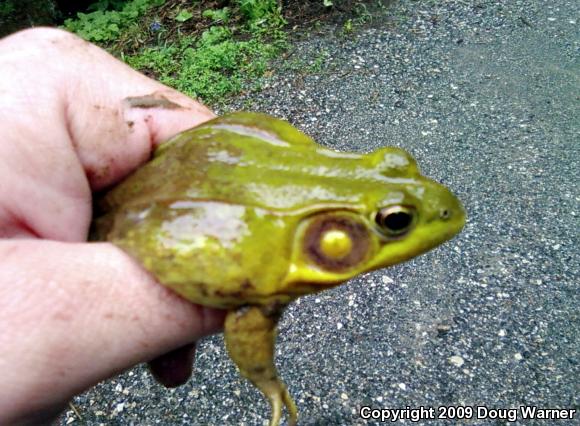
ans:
(250, 335)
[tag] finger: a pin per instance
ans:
(86, 122)
(60, 301)
(174, 368)
(112, 114)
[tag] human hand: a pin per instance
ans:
(75, 120)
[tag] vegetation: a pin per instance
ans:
(17, 14)
(208, 49)
(105, 26)
(205, 52)
(6, 8)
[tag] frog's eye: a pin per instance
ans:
(337, 242)
(395, 221)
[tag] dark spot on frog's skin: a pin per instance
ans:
(234, 294)
(357, 232)
(273, 310)
(258, 370)
(154, 100)
(247, 285)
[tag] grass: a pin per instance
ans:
(6, 8)
(204, 49)
(204, 52)
(211, 67)
(105, 26)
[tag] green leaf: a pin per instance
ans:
(327, 3)
(217, 15)
(184, 15)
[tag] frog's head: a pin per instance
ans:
(398, 214)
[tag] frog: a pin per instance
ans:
(247, 213)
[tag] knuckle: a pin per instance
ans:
(43, 34)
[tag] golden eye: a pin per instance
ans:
(394, 221)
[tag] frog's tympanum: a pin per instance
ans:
(246, 213)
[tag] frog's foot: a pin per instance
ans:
(250, 335)
(278, 396)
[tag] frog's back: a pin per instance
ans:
(254, 159)
(213, 214)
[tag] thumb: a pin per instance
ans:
(87, 122)
(80, 313)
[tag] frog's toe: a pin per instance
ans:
(291, 407)
(278, 396)
(276, 405)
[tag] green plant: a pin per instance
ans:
(106, 5)
(160, 61)
(347, 27)
(183, 15)
(218, 15)
(6, 8)
(106, 25)
(319, 61)
(208, 64)
(255, 10)
(362, 14)
(211, 67)
(215, 35)
(261, 15)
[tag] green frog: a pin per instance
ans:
(247, 213)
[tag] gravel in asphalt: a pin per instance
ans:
(485, 95)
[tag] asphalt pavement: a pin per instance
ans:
(485, 95)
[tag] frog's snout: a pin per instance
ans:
(446, 208)
(443, 216)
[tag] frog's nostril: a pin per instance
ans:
(445, 214)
